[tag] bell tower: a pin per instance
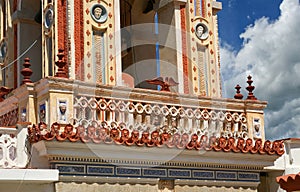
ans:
(111, 41)
(204, 47)
(116, 42)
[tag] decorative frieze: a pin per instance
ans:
(70, 169)
(164, 173)
(100, 170)
(203, 174)
(154, 172)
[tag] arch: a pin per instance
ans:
(135, 58)
(29, 32)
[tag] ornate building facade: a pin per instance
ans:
(113, 95)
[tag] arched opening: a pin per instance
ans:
(148, 40)
(29, 36)
(138, 41)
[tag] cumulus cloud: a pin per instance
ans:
(271, 54)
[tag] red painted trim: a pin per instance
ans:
(79, 39)
(204, 8)
(62, 29)
(184, 49)
(15, 5)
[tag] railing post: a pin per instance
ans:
(22, 145)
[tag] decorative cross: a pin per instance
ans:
(165, 85)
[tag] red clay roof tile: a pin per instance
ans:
(289, 182)
(154, 139)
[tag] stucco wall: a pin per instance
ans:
(22, 187)
(214, 189)
(72, 187)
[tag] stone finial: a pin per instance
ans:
(238, 94)
(61, 64)
(250, 89)
(26, 71)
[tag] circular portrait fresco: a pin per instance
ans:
(3, 51)
(49, 18)
(201, 31)
(98, 13)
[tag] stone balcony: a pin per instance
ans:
(67, 110)
(64, 101)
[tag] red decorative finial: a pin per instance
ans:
(238, 94)
(26, 71)
(61, 64)
(250, 89)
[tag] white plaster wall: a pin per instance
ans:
(72, 187)
(290, 160)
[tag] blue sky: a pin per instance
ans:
(236, 15)
(261, 38)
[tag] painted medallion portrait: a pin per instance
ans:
(99, 13)
(3, 51)
(49, 18)
(201, 31)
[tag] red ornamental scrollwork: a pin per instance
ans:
(123, 136)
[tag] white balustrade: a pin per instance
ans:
(14, 147)
(8, 150)
(143, 116)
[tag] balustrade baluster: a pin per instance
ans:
(138, 119)
(130, 119)
(121, 118)
(102, 115)
(236, 127)
(113, 116)
(147, 120)
(94, 114)
(213, 127)
(150, 117)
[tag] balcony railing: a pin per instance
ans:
(88, 105)
(153, 116)
(10, 118)
(14, 146)
(8, 148)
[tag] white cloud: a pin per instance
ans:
(231, 3)
(284, 123)
(271, 54)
